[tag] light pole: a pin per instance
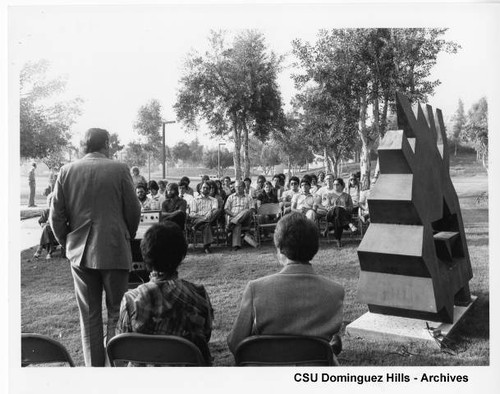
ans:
(163, 144)
(218, 158)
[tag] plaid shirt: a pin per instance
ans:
(168, 307)
(202, 206)
(236, 203)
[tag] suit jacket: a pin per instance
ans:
(95, 212)
(295, 301)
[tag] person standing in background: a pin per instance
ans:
(32, 185)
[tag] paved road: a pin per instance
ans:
(30, 233)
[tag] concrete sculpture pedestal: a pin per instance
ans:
(377, 327)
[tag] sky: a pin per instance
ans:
(117, 58)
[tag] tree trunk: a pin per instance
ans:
(237, 149)
(364, 161)
(383, 119)
(246, 156)
(289, 168)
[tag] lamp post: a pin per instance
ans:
(218, 158)
(163, 159)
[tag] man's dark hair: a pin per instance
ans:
(247, 179)
(183, 183)
(153, 185)
(340, 180)
(163, 247)
(297, 237)
(95, 140)
(296, 179)
(185, 179)
(305, 180)
(174, 187)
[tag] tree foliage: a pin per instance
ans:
(148, 124)
(367, 67)
(211, 159)
(233, 88)
(114, 144)
(458, 125)
(45, 123)
(135, 155)
(476, 129)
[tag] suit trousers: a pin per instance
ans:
(89, 284)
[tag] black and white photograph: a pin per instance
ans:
(298, 187)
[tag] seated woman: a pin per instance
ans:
(167, 305)
(295, 301)
(267, 195)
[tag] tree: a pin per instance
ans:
(458, 125)
(211, 159)
(233, 89)
(148, 124)
(44, 124)
(135, 155)
(369, 66)
(196, 150)
(114, 144)
(476, 129)
(181, 151)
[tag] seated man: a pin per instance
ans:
(183, 193)
(286, 198)
(140, 191)
(47, 239)
(295, 301)
(304, 201)
(155, 196)
(337, 206)
(203, 211)
(167, 305)
(174, 208)
(239, 209)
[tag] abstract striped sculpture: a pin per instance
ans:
(414, 258)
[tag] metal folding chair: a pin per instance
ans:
(40, 349)
(162, 350)
(284, 350)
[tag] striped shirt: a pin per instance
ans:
(236, 203)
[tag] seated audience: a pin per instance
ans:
(314, 184)
(154, 195)
(353, 189)
(167, 305)
(267, 195)
(249, 190)
(276, 184)
(304, 202)
(286, 198)
(204, 178)
(261, 180)
(162, 184)
(174, 207)
(183, 188)
(203, 212)
(47, 239)
(186, 180)
(295, 301)
(321, 179)
(337, 205)
(239, 210)
(137, 178)
(140, 191)
(226, 185)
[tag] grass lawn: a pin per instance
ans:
(48, 305)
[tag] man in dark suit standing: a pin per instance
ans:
(95, 213)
